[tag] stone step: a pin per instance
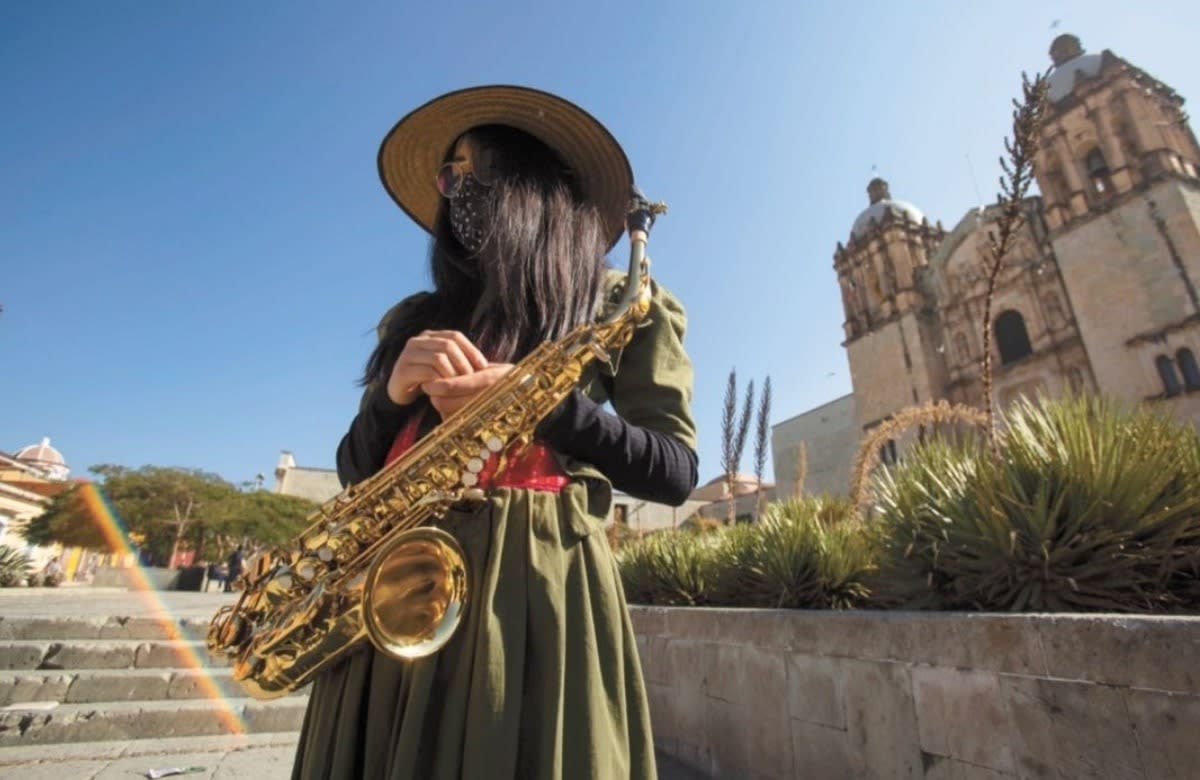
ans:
(35, 628)
(147, 720)
(106, 654)
(90, 686)
(132, 748)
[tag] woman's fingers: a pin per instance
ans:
(437, 355)
(466, 385)
(450, 352)
(469, 351)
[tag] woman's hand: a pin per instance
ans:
(448, 395)
(432, 355)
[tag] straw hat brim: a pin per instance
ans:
(417, 145)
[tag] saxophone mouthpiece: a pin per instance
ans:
(642, 212)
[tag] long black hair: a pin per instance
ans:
(539, 273)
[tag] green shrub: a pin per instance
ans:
(1089, 506)
(807, 553)
(15, 566)
(670, 568)
(803, 554)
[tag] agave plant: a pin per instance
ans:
(15, 567)
(669, 569)
(1087, 506)
(809, 553)
(803, 554)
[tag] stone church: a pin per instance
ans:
(1099, 293)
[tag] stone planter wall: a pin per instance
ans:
(945, 696)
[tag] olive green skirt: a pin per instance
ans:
(541, 680)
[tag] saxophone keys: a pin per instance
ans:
(325, 554)
(473, 494)
(494, 444)
(469, 479)
(475, 465)
(306, 569)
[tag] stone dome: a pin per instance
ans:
(882, 204)
(1070, 62)
(44, 457)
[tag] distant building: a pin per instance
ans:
(712, 498)
(29, 479)
(315, 484)
(830, 435)
(1098, 294)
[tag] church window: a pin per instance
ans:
(1011, 337)
(1055, 188)
(1187, 367)
(1170, 379)
(1097, 170)
(961, 351)
(621, 514)
(873, 282)
(1054, 311)
(1075, 379)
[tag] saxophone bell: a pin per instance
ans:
(415, 593)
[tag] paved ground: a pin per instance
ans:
(265, 757)
(82, 601)
(261, 757)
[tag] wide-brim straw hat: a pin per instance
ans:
(417, 145)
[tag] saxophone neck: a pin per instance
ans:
(638, 221)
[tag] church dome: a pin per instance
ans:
(1070, 63)
(881, 206)
(44, 457)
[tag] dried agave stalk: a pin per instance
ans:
(801, 471)
(935, 413)
(1014, 184)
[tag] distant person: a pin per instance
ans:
(237, 564)
(53, 573)
(216, 573)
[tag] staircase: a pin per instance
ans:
(111, 696)
(99, 683)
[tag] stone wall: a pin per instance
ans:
(944, 696)
(830, 434)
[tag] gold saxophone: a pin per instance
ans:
(371, 565)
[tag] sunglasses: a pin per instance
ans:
(450, 177)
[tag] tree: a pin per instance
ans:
(164, 503)
(733, 439)
(261, 518)
(166, 508)
(67, 521)
(760, 443)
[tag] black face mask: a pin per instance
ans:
(470, 214)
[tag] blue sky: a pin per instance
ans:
(195, 247)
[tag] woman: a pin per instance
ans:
(523, 194)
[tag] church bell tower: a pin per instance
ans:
(1119, 172)
(891, 335)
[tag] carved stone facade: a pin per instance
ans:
(1098, 294)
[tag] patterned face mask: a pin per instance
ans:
(469, 213)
